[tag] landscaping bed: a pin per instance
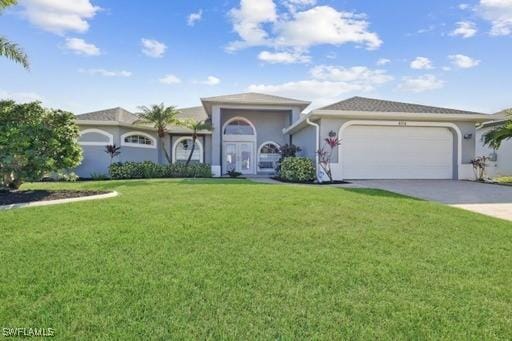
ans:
(336, 182)
(21, 197)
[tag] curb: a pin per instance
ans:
(59, 201)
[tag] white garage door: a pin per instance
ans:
(383, 152)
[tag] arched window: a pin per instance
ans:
(268, 156)
(238, 126)
(182, 148)
(138, 139)
(95, 137)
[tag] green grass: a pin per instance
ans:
(238, 260)
(504, 180)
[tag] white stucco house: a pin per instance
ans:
(380, 139)
(500, 163)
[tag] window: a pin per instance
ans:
(138, 139)
(268, 156)
(238, 127)
(182, 149)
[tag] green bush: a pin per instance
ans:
(148, 169)
(297, 169)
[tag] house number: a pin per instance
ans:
(402, 123)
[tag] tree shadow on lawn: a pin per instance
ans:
(380, 193)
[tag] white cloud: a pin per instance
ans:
(106, 73)
(463, 62)
(463, 7)
(499, 14)
(325, 25)
(59, 16)
(20, 97)
(211, 80)
(294, 5)
(170, 79)
(153, 48)
(421, 63)
(328, 83)
(383, 61)
(193, 18)
(248, 22)
(465, 29)
(283, 57)
(80, 46)
(257, 23)
(421, 84)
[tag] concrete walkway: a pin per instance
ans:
(492, 200)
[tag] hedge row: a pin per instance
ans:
(148, 169)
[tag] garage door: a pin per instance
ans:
(383, 152)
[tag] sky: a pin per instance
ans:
(90, 55)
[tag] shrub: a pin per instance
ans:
(297, 169)
(148, 169)
(233, 173)
(99, 176)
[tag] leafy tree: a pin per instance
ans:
(161, 117)
(504, 132)
(9, 49)
(35, 141)
(195, 126)
(112, 150)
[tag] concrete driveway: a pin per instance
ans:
(493, 200)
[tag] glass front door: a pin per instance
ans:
(239, 156)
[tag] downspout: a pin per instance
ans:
(317, 139)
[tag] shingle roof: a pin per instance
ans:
(255, 98)
(195, 113)
(377, 105)
(115, 114)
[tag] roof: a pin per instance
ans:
(195, 113)
(498, 118)
(254, 98)
(115, 114)
(378, 105)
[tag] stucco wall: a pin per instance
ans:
(503, 164)
(305, 139)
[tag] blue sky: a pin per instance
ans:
(93, 54)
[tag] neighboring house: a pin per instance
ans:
(380, 139)
(500, 163)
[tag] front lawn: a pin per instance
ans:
(196, 259)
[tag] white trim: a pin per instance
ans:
(136, 145)
(96, 131)
(259, 153)
(240, 139)
(319, 172)
(407, 124)
(175, 144)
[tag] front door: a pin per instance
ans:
(239, 156)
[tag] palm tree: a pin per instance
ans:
(504, 132)
(9, 49)
(161, 117)
(195, 126)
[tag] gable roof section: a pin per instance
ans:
(377, 105)
(253, 98)
(195, 113)
(113, 115)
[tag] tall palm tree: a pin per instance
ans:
(161, 117)
(9, 49)
(504, 132)
(195, 126)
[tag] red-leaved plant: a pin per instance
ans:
(325, 153)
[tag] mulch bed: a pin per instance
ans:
(19, 197)
(312, 182)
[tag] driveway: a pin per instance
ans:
(493, 200)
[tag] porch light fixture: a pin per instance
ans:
(468, 136)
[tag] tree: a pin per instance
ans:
(9, 49)
(195, 126)
(35, 141)
(161, 117)
(504, 132)
(112, 150)
(325, 153)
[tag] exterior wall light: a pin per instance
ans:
(468, 136)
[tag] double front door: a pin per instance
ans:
(239, 156)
